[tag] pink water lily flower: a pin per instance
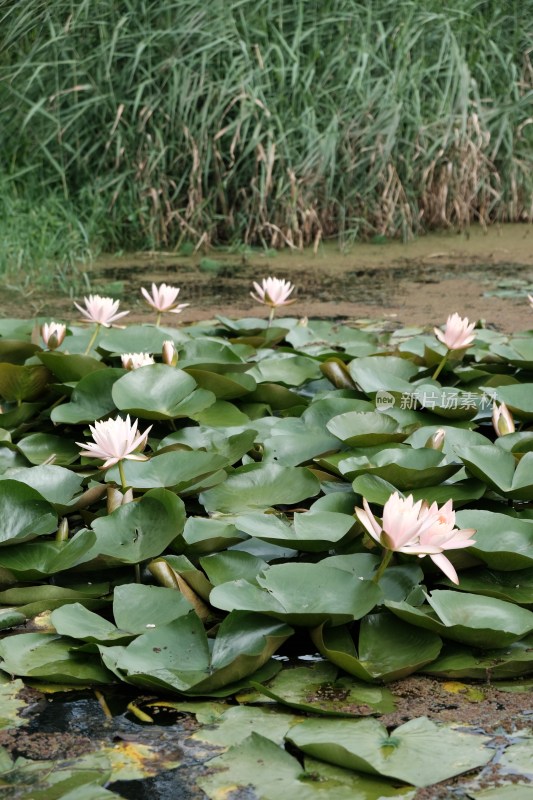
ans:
(443, 533)
(457, 334)
(502, 420)
(101, 310)
(136, 360)
(273, 292)
(417, 529)
(115, 440)
(163, 298)
(52, 334)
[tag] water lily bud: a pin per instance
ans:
(502, 420)
(53, 334)
(170, 354)
(62, 531)
(436, 440)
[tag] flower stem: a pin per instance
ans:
(93, 339)
(271, 316)
(120, 465)
(158, 320)
(387, 555)
(441, 365)
(137, 571)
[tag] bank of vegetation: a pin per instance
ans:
(129, 124)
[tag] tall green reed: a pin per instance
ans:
(274, 122)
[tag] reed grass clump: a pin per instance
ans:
(273, 122)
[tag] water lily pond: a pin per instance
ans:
(247, 542)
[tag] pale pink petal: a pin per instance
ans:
(446, 566)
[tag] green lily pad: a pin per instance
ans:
(139, 531)
(260, 764)
(518, 399)
(514, 587)
(213, 355)
(40, 559)
(177, 470)
(232, 565)
(387, 649)
(136, 608)
(41, 447)
(501, 541)
(260, 486)
(227, 386)
(232, 446)
(56, 484)
(160, 392)
(22, 382)
(90, 400)
(24, 513)
(388, 373)
(204, 535)
(362, 429)
(419, 752)
(313, 531)
(404, 468)
(302, 594)
(177, 657)
(286, 369)
(134, 339)
(51, 658)
(318, 690)
(69, 367)
(459, 661)
(468, 618)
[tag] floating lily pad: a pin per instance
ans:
(387, 650)
(177, 470)
(43, 558)
(90, 400)
(459, 661)
(319, 690)
(160, 392)
(501, 541)
(136, 608)
(51, 658)
(24, 513)
(41, 447)
(22, 382)
(260, 486)
(314, 531)
(361, 429)
(70, 366)
(177, 657)
(468, 618)
(301, 594)
(139, 531)
(419, 752)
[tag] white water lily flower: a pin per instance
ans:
(164, 298)
(115, 440)
(52, 334)
(101, 310)
(457, 334)
(417, 529)
(273, 292)
(136, 360)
